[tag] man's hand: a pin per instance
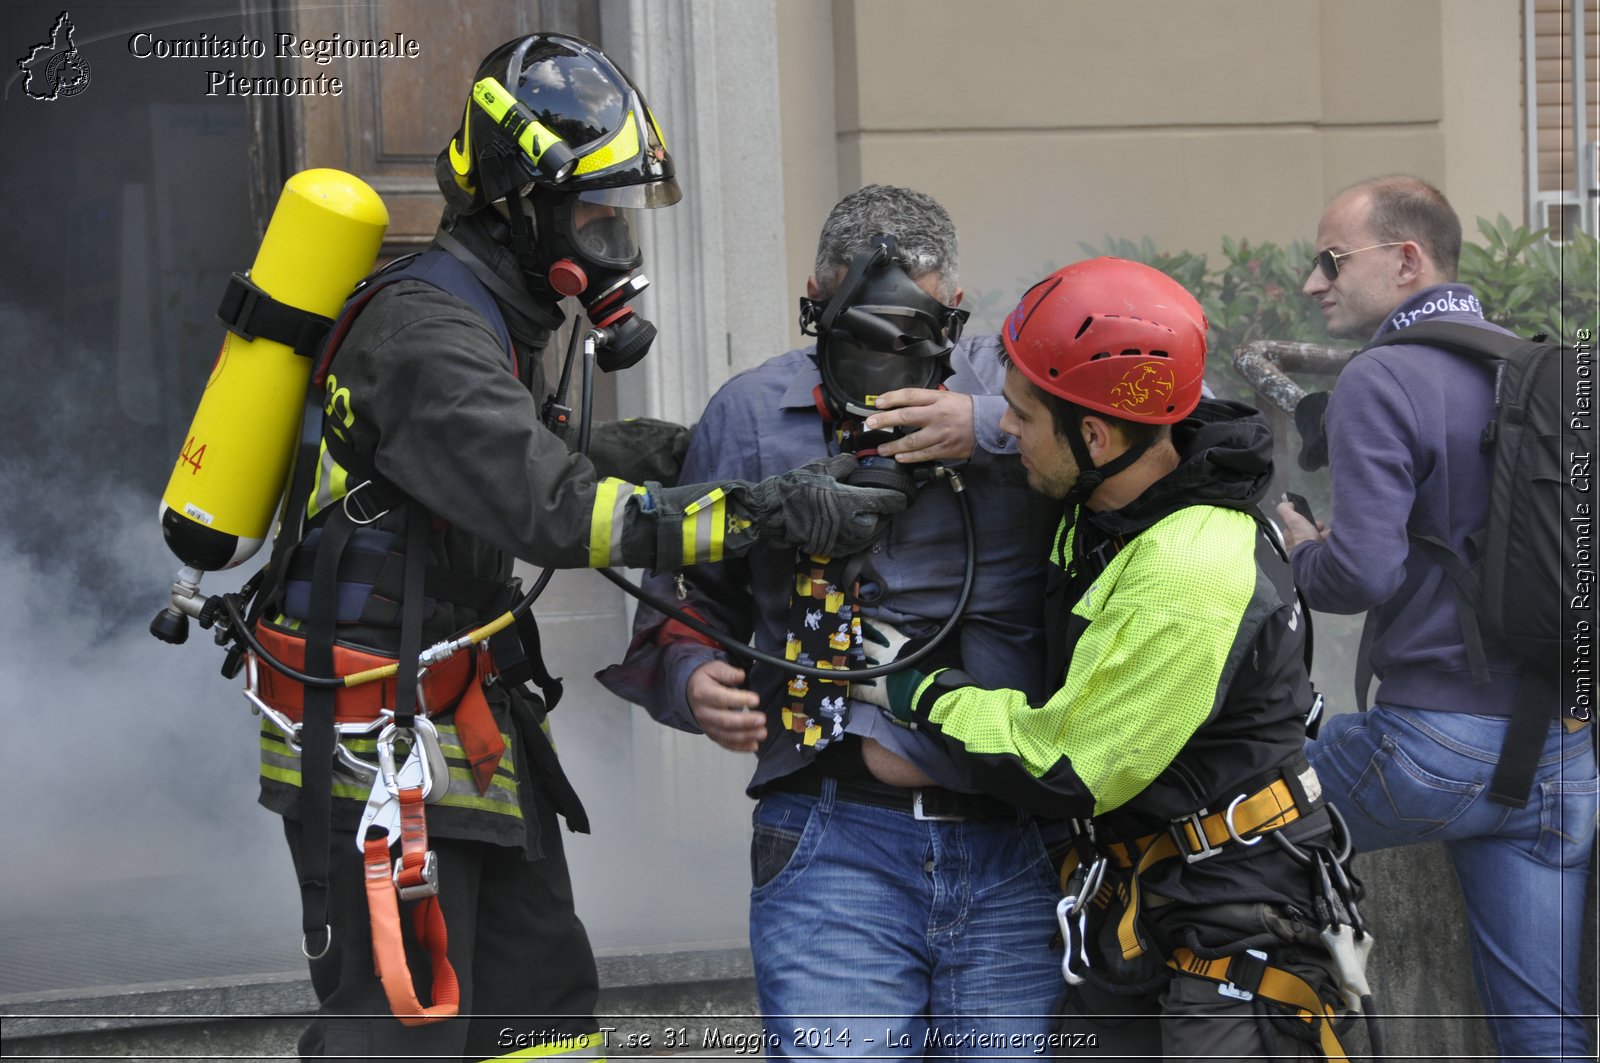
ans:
(940, 423)
(725, 711)
(1297, 530)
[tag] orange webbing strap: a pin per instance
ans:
(383, 908)
(477, 729)
(1277, 985)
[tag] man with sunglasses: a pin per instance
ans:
(1404, 428)
(886, 895)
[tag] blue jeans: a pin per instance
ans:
(904, 933)
(1403, 775)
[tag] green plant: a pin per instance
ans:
(1525, 282)
(1511, 285)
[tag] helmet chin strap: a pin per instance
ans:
(1090, 475)
(524, 240)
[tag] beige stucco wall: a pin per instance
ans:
(1046, 124)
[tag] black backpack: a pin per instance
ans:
(1518, 589)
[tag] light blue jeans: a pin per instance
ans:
(1403, 775)
(901, 932)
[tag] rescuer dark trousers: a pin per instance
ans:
(1189, 1019)
(518, 948)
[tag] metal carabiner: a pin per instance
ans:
(422, 740)
(435, 769)
(1074, 932)
(1073, 918)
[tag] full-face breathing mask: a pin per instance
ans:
(879, 332)
(586, 249)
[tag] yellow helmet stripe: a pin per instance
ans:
(622, 147)
(461, 158)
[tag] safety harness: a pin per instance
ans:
(1101, 885)
(343, 570)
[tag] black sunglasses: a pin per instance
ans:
(1328, 262)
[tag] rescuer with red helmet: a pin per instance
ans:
(1204, 881)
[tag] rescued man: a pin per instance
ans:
(882, 885)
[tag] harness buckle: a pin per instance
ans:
(429, 884)
(1194, 821)
(1246, 968)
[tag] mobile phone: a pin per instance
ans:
(1301, 506)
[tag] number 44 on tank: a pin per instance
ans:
(192, 455)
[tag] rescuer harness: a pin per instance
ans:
(1102, 907)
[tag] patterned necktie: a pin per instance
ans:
(825, 632)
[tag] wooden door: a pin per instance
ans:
(393, 115)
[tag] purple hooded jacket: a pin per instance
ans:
(1404, 426)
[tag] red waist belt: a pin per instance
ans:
(455, 683)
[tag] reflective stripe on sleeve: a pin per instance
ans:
(606, 521)
(704, 521)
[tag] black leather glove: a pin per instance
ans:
(809, 508)
(806, 507)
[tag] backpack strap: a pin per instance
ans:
(1530, 716)
(1482, 344)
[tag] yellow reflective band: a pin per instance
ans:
(509, 113)
(570, 1046)
(607, 519)
(703, 525)
(622, 147)
(329, 483)
(600, 520)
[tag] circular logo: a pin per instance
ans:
(67, 74)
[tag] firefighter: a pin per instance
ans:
(432, 473)
(1172, 738)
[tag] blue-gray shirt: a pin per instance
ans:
(765, 421)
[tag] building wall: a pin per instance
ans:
(1046, 125)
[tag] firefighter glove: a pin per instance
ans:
(809, 508)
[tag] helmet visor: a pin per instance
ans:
(654, 194)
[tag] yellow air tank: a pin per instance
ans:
(219, 504)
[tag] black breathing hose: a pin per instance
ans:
(742, 649)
